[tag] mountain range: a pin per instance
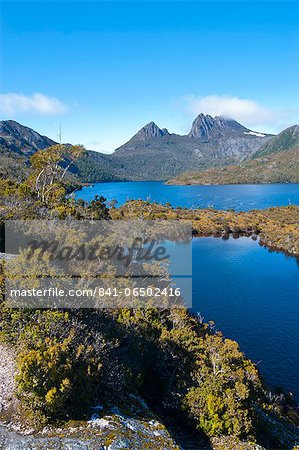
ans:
(157, 154)
(153, 153)
(277, 161)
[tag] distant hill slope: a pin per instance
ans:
(285, 140)
(18, 143)
(281, 167)
(95, 167)
(16, 138)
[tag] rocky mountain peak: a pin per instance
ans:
(150, 130)
(207, 127)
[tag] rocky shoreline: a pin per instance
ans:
(135, 427)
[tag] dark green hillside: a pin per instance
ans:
(95, 167)
(285, 140)
(13, 166)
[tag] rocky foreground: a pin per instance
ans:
(136, 428)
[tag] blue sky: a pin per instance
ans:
(102, 70)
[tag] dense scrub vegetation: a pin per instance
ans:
(278, 227)
(282, 167)
(13, 166)
(95, 167)
(71, 360)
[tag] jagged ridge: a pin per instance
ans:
(153, 153)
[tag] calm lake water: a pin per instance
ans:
(238, 197)
(251, 294)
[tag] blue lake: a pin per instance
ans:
(238, 197)
(250, 293)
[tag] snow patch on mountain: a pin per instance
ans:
(254, 133)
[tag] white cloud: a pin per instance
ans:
(248, 112)
(12, 104)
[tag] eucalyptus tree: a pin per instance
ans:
(50, 168)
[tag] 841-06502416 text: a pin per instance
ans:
(98, 292)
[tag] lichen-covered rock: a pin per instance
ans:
(229, 443)
(105, 431)
(7, 385)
